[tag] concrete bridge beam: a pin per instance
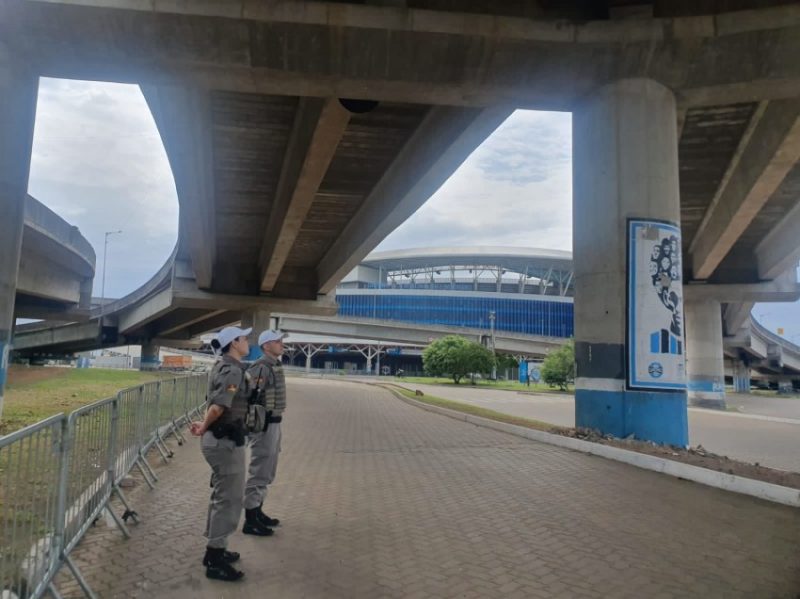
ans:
(440, 144)
(768, 151)
(704, 357)
(625, 165)
(183, 117)
(18, 90)
(735, 315)
(318, 127)
(779, 251)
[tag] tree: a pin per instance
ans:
(505, 361)
(559, 367)
(456, 357)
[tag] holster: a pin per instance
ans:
(233, 431)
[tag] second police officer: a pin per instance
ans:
(265, 437)
(223, 436)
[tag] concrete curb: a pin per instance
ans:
(704, 476)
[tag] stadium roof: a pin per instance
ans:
(517, 259)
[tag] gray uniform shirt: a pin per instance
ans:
(229, 386)
(267, 373)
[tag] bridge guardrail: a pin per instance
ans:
(59, 475)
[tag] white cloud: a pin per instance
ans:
(98, 161)
(515, 190)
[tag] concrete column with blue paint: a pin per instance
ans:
(18, 90)
(705, 362)
(625, 175)
(150, 356)
(741, 376)
(258, 320)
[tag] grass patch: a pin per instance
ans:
(477, 411)
(63, 390)
(486, 384)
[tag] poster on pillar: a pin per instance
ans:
(655, 348)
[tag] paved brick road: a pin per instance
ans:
(382, 499)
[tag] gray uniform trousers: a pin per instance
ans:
(227, 478)
(264, 450)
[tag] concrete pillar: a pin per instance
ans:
(149, 359)
(705, 365)
(625, 167)
(17, 116)
(308, 360)
(85, 299)
(258, 320)
(741, 376)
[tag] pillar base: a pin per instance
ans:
(710, 403)
(707, 394)
(660, 417)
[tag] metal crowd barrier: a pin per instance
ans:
(58, 476)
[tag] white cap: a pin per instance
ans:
(270, 335)
(228, 334)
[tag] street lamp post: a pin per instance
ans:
(103, 285)
(492, 316)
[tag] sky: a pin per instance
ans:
(98, 161)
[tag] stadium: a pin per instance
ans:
(482, 291)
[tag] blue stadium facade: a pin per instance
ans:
(528, 315)
(526, 291)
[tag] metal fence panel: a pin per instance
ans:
(149, 415)
(89, 482)
(57, 476)
(31, 461)
(126, 451)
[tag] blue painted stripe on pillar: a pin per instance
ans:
(706, 386)
(654, 343)
(653, 416)
(255, 353)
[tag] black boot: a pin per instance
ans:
(266, 520)
(219, 569)
(228, 556)
(253, 526)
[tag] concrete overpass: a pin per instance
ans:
(401, 332)
(754, 353)
(315, 128)
(168, 310)
(56, 266)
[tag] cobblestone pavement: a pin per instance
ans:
(381, 499)
(740, 436)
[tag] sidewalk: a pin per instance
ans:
(382, 499)
(771, 440)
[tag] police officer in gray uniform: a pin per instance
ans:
(223, 437)
(265, 446)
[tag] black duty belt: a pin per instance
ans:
(233, 431)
